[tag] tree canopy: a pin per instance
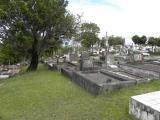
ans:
(32, 26)
(112, 40)
(89, 34)
(139, 40)
(152, 41)
(4, 3)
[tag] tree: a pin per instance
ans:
(139, 40)
(89, 34)
(143, 39)
(53, 47)
(38, 22)
(157, 42)
(112, 41)
(136, 39)
(151, 41)
(4, 3)
(14, 51)
(103, 42)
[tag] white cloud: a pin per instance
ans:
(121, 17)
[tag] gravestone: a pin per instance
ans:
(73, 57)
(86, 63)
(85, 56)
(138, 57)
(57, 59)
(110, 60)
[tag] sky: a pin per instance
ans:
(120, 17)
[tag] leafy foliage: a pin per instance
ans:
(157, 42)
(89, 34)
(32, 26)
(4, 3)
(112, 41)
(152, 41)
(139, 40)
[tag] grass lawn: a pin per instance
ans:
(48, 95)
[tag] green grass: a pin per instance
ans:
(48, 95)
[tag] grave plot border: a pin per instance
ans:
(142, 111)
(140, 72)
(98, 89)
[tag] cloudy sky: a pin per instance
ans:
(121, 17)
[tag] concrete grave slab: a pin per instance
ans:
(145, 106)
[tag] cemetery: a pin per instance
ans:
(118, 72)
(124, 68)
(98, 78)
(55, 65)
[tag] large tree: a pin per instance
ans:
(139, 40)
(152, 41)
(157, 41)
(37, 22)
(116, 40)
(135, 39)
(89, 34)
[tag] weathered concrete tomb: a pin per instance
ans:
(96, 82)
(146, 106)
(146, 70)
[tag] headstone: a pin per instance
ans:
(86, 63)
(110, 60)
(85, 56)
(57, 60)
(73, 57)
(138, 57)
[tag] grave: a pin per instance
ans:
(111, 59)
(122, 75)
(4, 76)
(73, 58)
(145, 70)
(96, 79)
(145, 106)
(55, 63)
(51, 63)
(87, 62)
(96, 82)
(7, 71)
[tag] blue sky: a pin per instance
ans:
(110, 3)
(120, 17)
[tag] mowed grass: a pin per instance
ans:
(48, 95)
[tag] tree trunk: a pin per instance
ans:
(34, 56)
(34, 62)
